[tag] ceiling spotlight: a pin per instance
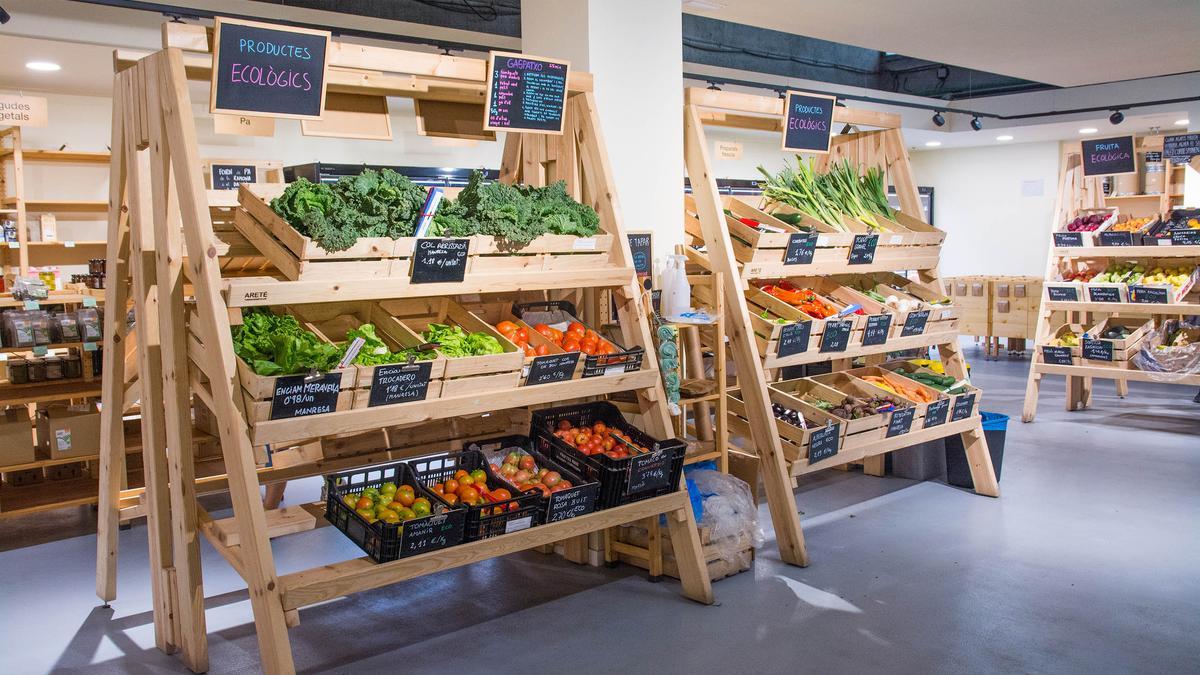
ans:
(932, 144)
(938, 119)
(1182, 123)
(4, 16)
(43, 66)
(1005, 137)
(848, 129)
(1088, 130)
(1116, 117)
(976, 123)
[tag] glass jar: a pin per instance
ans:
(54, 368)
(37, 370)
(73, 367)
(18, 371)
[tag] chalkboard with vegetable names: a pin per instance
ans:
(525, 93)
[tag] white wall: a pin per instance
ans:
(991, 226)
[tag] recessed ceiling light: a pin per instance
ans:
(1088, 130)
(1005, 137)
(1182, 123)
(932, 144)
(703, 5)
(43, 66)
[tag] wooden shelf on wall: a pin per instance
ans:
(72, 156)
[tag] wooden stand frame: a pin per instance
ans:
(159, 211)
(884, 148)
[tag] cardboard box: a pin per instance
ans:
(16, 437)
(68, 431)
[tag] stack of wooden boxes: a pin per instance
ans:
(973, 297)
(994, 307)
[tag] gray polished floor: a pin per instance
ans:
(1088, 563)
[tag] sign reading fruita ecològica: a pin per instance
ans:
(268, 70)
(807, 121)
(1108, 156)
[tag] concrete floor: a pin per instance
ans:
(1086, 564)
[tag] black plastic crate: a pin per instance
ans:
(624, 361)
(578, 500)
(521, 512)
(653, 474)
(385, 542)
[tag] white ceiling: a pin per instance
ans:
(1061, 42)
(86, 69)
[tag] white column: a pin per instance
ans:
(634, 48)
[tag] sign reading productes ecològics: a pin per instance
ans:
(807, 121)
(525, 93)
(267, 70)
(1108, 156)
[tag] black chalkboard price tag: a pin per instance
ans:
(440, 261)
(1063, 293)
(1057, 356)
(807, 121)
(294, 397)
(862, 252)
(265, 70)
(552, 368)
(649, 471)
(1185, 236)
(1067, 239)
(936, 413)
(1097, 350)
(800, 249)
(1104, 294)
(914, 323)
(1108, 156)
(431, 533)
(1182, 148)
(836, 336)
(793, 339)
(823, 443)
(525, 93)
(876, 331)
(963, 405)
(399, 383)
(572, 502)
(1116, 238)
(901, 422)
(230, 176)
(1149, 295)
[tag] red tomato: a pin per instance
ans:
(542, 350)
(530, 351)
(599, 427)
(523, 334)
(507, 328)
(570, 345)
(500, 495)
(564, 424)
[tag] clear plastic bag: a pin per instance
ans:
(729, 512)
(1171, 352)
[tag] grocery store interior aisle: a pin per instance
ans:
(1089, 555)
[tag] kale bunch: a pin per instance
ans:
(372, 204)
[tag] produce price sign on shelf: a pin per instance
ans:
(552, 368)
(230, 176)
(901, 422)
(862, 252)
(1062, 293)
(641, 248)
(823, 443)
(1062, 239)
(440, 261)
(295, 396)
(1104, 294)
(836, 336)
(800, 249)
(914, 323)
(1056, 356)
(268, 70)
(649, 472)
(573, 502)
(1149, 295)
(525, 93)
(936, 413)
(793, 339)
(962, 407)
(1108, 156)
(807, 121)
(1185, 237)
(399, 383)
(876, 331)
(431, 533)
(1116, 239)
(1097, 350)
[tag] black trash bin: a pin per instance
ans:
(958, 471)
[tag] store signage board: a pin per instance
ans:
(936, 413)
(552, 368)
(1104, 294)
(876, 331)
(793, 339)
(23, 111)
(1185, 237)
(525, 93)
(823, 443)
(1180, 149)
(440, 261)
(836, 336)
(1150, 295)
(1057, 356)
(1108, 156)
(641, 247)
(962, 407)
(1065, 239)
(1116, 238)
(901, 422)
(243, 125)
(915, 323)
(296, 396)
(399, 383)
(230, 176)
(267, 70)
(1097, 350)
(433, 532)
(573, 502)
(807, 122)
(1062, 293)
(649, 471)
(800, 249)
(862, 252)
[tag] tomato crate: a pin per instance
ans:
(559, 314)
(520, 512)
(577, 500)
(385, 542)
(622, 481)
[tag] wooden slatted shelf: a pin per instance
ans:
(1126, 374)
(83, 156)
(1126, 251)
(51, 390)
(60, 205)
(1125, 308)
(43, 253)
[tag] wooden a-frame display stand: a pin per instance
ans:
(185, 348)
(883, 148)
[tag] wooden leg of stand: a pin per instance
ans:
(980, 462)
(654, 546)
(1032, 388)
(1122, 388)
(874, 465)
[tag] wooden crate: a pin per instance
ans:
(1061, 330)
(793, 440)
(495, 312)
(1089, 238)
(801, 394)
(850, 385)
(972, 296)
(1123, 349)
(767, 331)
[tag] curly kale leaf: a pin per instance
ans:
(514, 214)
(371, 204)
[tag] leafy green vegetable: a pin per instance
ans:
(455, 342)
(826, 196)
(372, 204)
(277, 345)
(375, 351)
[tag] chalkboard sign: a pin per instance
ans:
(399, 383)
(431, 533)
(1097, 350)
(1063, 293)
(1057, 356)
(268, 71)
(642, 250)
(293, 397)
(1062, 239)
(962, 407)
(901, 422)
(1116, 238)
(1108, 156)
(862, 252)
(440, 260)
(836, 336)
(807, 121)
(914, 323)
(936, 413)
(525, 93)
(1185, 236)
(1149, 295)
(800, 249)
(876, 332)
(1182, 148)
(230, 176)
(1104, 294)
(649, 471)
(794, 339)
(823, 443)
(552, 368)
(572, 502)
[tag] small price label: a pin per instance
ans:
(1185, 237)
(963, 405)
(876, 332)
(68, 244)
(14, 244)
(1065, 239)
(40, 350)
(1149, 295)
(649, 471)
(1057, 356)
(836, 336)
(1104, 294)
(91, 346)
(440, 261)
(1062, 293)
(1097, 350)
(399, 383)
(31, 305)
(572, 502)
(915, 323)
(1116, 238)
(295, 397)
(800, 249)
(794, 339)
(89, 301)
(936, 413)
(552, 368)
(823, 443)
(901, 422)
(422, 535)
(862, 251)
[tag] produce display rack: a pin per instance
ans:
(915, 249)
(159, 212)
